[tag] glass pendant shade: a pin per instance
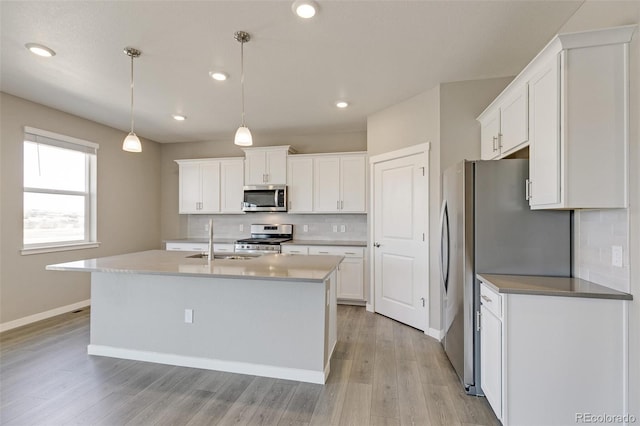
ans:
(132, 143)
(243, 137)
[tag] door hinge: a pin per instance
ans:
(423, 301)
(422, 168)
(423, 236)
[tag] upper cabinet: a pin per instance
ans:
(210, 185)
(575, 97)
(339, 183)
(266, 165)
(504, 126)
(327, 183)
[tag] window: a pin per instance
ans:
(59, 192)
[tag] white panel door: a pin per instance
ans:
(352, 176)
(491, 359)
(210, 181)
(489, 129)
(189, 180)
(254, 167)
(514, 120)
(231, 182)
(544, 162)
(300, 184)
(326, 184)
(276, 167)
(351, 279)
(401, 257)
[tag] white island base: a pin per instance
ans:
(267, 327)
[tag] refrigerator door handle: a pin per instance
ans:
(445, 242)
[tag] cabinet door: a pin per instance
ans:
(189, 184)
(354, 184)
(491, 359)
(255, 167)
(300, 184)
(489, 129)
(210, 184)
(514, 120)
(326, 184)
(231, 182)
(544, 129)
(276, 167)
(351, 279)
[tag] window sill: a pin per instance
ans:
(58, 247)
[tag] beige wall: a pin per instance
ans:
(592, 15)
(128, 209)
(175, 225)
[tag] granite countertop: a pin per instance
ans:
(326, 243)
(280, 267)
(550, 286)
(203, 240)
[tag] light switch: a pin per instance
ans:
(335, 228)
(343, 228)
(188, 316)
(616, 256)
(305, 228)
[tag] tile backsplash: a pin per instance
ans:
(319, 227)
(595, 233)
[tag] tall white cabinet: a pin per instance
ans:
(210, 185)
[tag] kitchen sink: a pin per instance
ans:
(224, 256)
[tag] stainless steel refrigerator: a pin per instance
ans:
(487, 226)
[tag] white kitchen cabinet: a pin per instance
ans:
(491, 349)
(580, 122)
(202, 247)
(210, 185)
(300, 183)
(266, 165)
(339, 183)
(504, 125)
(539, 363)
(350, 271)
(294, 249)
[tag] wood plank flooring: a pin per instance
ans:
(382, 373)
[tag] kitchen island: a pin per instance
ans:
(273, 315)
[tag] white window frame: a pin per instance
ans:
(32, 134)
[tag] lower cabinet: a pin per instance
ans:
(187, 246)
(547, 360)
(350, 272)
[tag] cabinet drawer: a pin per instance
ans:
(338, 251)
(491, 300)
(291, 249)
(187, 246)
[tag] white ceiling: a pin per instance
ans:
(372, 53)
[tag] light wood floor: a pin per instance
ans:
(382, 373)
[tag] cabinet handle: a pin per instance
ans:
(341, 205)
(267, 175)
(348, 252)
(323, 252)
(527, 190)
(486, 299)
(478, 320)
(495, 139)
(289, 203)
(499, 140)
(338, 205)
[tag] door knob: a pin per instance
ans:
(376, 245)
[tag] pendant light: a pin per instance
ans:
(131, 142)
(243, 135)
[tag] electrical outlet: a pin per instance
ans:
(616, 256)
(188, 316)
(241, 227)
(305, 228)
(343, 228)
(335, 228)
(206, 227)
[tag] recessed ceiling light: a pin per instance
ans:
(40, 50)
(342, 104)
(305, 8)
(218, 76)
(179, 117)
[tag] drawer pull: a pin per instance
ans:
(323, 252)
(349, 252)
(486, 299)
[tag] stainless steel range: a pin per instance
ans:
(265, 239)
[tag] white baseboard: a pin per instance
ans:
(296, 374)
(43, 315)
(435, 333)
(369, 307)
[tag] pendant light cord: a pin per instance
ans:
(242, 78)
(131, 93)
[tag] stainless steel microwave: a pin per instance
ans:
(265, 198)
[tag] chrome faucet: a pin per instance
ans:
(210, 248)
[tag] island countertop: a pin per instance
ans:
(280, 267)
(551, 286)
